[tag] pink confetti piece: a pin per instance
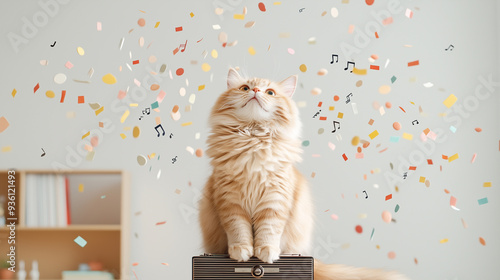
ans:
(360, 155)
(68, 65)
(161, 223)
(160, 96)
(334, 217)
(409, 13)
(122, 94)
(387, 21)
(473, 158)
(453, 203)
(137, 82)
(432, 135)
(99, 26)
(291, 51)
(331, 146)
(351, 29)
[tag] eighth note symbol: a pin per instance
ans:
(348, 99)
(366, 194)
(316, 114)
(43, 153)
(171, 135)
(404, 175)
(413, 122)
(300, 10)
(451, 46)
(140, 117)
(334, 127)
(350, 62)
(336, 56)
(174, 160)
(156, 128)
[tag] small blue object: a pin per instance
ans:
(393, 79)
(453, 129)
(80, 241)
(394, 139)
(154, 105)
(482, 201)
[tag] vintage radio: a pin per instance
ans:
(290, 267)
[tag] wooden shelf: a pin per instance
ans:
(68, 228)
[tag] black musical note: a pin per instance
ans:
(159, 126)
(405, 175)
(348, 99)
(413, 122)
(300, 10)
(350, 62)
(53, 45)
(141, 117)
(146, 111)
(366, 194)
(43, 153)
(174, 160)
(336, 56)
(334, 127)
(451, 46)
(171, 135)
(317, 113)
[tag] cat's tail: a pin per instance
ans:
(342, 272)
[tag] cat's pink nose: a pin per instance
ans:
(256, 90)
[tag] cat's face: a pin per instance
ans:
(258, 100)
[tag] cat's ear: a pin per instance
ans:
(233, 79)
(288, 85)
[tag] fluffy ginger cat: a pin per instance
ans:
(256, 202)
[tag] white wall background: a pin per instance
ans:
(425, 216)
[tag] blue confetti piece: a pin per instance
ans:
(393, 79)
(371, 236)
(154, 105)
(482, 201)
(397, 208)
(453, 129)
(394, 139)
(80, 241)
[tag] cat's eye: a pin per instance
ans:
(245, 88)
(271, 92)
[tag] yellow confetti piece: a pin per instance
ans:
(123, 136)
(80, 188)
(303, 68)
(6, 149)
(443, 240)
(251, 50)
(80, 51)
(277, 3)
(133, 104)
(358, 71)
(407, 136)
(331, 108)
(191, 14)
(450, 100)
(239, 16)
(453, 157)
(109, 79)
(340, 115)
(373, 134)
(124, 116)
(422, 179)
(98, 111)
(202, 87)
(186, 123)
(487, 184)
(158, 23)
(85, 135)
(214, 53)
(205, 67)
(14, 91)
(50, 94)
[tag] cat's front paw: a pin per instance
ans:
(240, 252)
(267, 253)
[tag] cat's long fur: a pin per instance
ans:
(256, 203)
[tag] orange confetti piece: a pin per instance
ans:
(446, 191)
(402, 109)
(36, 87)
(322, 118)
(413, 63)
(376, 35)
(135, 264)
(81, 99)
(178, 29)
(444, 157)
(429, 162)
(14, 91)
(374, 67)
(161, 223)
(413, 168)
(371, 122)
(387, 197)
(345, 157)
(481, 240)
(426, 131)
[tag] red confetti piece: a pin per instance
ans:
(63, 95)
(383, 150)
(320, 103)
(429, 162)
(345, 157)
(322, 118)
(81, 99)
(359, 229)
(179, 71)
(36, 88)
(336, 98)
(161, 223)
(402, 109)
(413, 168)
(413, 63)
(135, 62)
(387, 197)
(369, 2)
(178, 29)
(374, 67)
(262, 7)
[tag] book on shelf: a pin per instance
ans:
(47, 200)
